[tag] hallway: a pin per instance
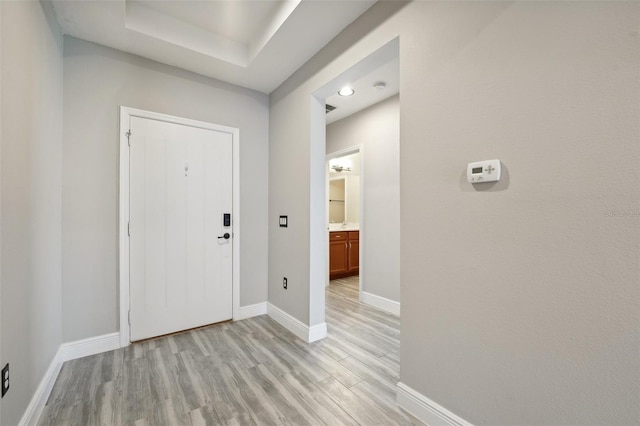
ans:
(244, 373)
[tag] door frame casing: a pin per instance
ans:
(123, 198)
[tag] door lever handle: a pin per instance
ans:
(226, 236)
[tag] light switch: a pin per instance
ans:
(284, 221)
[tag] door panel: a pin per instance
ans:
(180, 186)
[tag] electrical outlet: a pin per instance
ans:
(284, 283)
(5, 380)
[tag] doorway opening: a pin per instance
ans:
(345, 201)
(346, 113)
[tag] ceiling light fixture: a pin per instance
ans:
(380, 85)
(346, 91)
(340, 165)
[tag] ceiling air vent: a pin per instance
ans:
(329, 108)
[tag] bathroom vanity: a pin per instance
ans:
(344, 253)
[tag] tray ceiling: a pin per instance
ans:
(254, 44)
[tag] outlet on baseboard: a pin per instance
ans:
(284, 283)
(5, 380)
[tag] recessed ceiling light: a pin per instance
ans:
(380, 85)
(346, 91)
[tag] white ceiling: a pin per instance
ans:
(251, 43)
(365, 93)
(236, 20)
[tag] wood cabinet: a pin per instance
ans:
(344, 254)
(338, 253)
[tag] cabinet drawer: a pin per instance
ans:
(338, 236)
(354, 235)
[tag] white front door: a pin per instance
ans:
(180, 262)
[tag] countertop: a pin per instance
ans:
(345, 229)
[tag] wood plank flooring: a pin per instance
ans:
(250, 372)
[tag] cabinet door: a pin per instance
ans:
(338, 257)
(354, 256)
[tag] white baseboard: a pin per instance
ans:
(251, 311)
(295, 326)
(426, 410)
(379, 302)
(66, 352)
(317, 332)
(39, 399)
(90, 346)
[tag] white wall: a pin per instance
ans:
(352, 199)
(1, 355)
(337, 191)
(97, 81)
(377, 128)
(519, 299)
(31, 145)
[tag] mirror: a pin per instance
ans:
(337, 200)
(344, 189)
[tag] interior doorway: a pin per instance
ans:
(325, 102)
(345, 204)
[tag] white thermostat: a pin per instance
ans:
(483, 171)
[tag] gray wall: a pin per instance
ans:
(377, 128)
(31, 145)
(519, 299)
(97, 81)
(1, 281)
(289, 195)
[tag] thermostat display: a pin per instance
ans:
(483, 171)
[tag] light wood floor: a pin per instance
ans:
(243, 373)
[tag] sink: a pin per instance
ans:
(335, 227)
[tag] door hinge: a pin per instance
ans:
(128, 229)
(128, 137)
(129, 317)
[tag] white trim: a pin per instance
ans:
(123, 218)
(0, 188)
(250, 311)
(66, 352)
(387, 305)
(295, 326)
(426, 410)
(287, 321)
(318, 219)
(235, 217)
(41, 395)
(317, 332)
(90, 346)
(125, 115)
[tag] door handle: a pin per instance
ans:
(226, 236)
